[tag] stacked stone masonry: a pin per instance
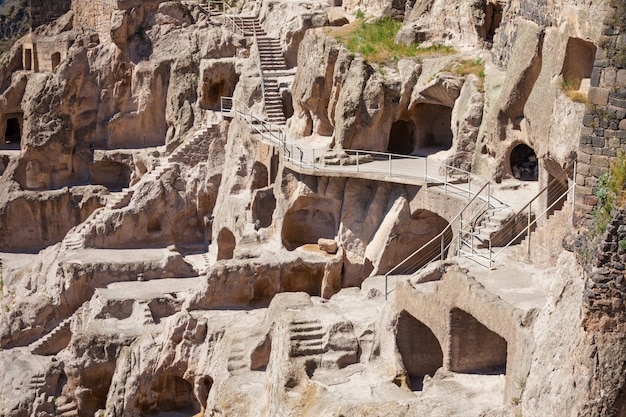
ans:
(603, 135)
(605, 290)
(42, 11)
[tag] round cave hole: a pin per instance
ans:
(524, 163)
(402, 137)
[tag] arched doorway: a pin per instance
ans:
(524, 163)
(419, 348)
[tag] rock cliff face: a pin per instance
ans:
(168, 252)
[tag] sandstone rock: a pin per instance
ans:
(327, 245)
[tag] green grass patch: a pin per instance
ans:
(570, 87)
(611, 193)
(376, 41)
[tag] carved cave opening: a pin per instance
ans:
(493, 18)
(13, 133)
(168, 393)
(419, 348)
(557, 186)
(226, 243)
(28, 59)
(524, 163)
(473, 347)
(263, 206)
(578, 62)
(307, 220)
(402, 137)
(154, 226)
(111, 174)
(433, 128)
(55, 60)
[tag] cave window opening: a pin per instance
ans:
(419, 349)
(56, 60)
(524, 163)
(402, 137)
(473, 347)
(28, 59)
(578, 63)
(12, 135)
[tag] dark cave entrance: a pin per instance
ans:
(419, 348)
(56, 60)
(13, 133)
(402, 137)
(524, 163)
(28, 59)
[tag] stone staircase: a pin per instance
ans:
(274, 103)
(271, 53)
(272, 60)
(237, 358)
(306, 337)
(36, 382)
(64, 407)
(250, 25)
(493, 227)
(76, 239)
(55, 341)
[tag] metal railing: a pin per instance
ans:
(439, 246)
(231, 19)
(418, 168)
(270, 132)
(522, 225)
(258, 63)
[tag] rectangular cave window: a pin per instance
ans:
(28, 59)
(56, 60)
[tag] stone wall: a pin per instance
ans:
(603, 135)
(605, 290)
(94, 16)
(42, 11)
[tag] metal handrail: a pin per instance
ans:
(440, 236)
(297, 156)
(533, 222)
(230, 16)
(259, 64)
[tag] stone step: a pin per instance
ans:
(68, 406)
(55, 341)
(312, 335)
(307, 348)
